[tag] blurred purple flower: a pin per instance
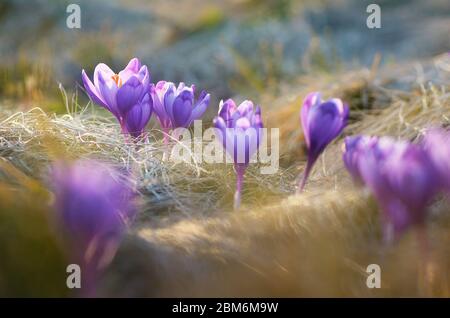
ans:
(240, 131)
(321, 123)
(353, 146)
(403, 180)
(437, 144)
(93, 206)
(119, 93)
(176, 107)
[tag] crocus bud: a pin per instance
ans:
(321, 123)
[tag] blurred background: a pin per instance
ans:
(231, 47)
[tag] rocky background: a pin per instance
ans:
(228, 47)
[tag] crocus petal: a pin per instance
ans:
(158, 98)
(106, 73)
(226, 110)
(134, 65)
(169, 98)
(201, 106)
(245, 107)
(108, 89)
(257, 120)
(159, 90)
(147, 108)
(241, 146)
(350, 156)
(131, 69)
(243, 123)
(245, 142)
(258, 124)
(437, 145)
(219, 123)
(412, 178)
(353, 147)
(158, 105)
(138, 117)
(92, 90)
(373, 174)
(180, 87)
(144, 76)
(182, 109)
(129, 94)
(311, 100)
(220, 130)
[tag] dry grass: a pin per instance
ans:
(187, 241)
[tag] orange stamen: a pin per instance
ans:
(117, 80)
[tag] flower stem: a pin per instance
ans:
(303, 180)
(124, 130)
(166, 144)
(387, 229)
(240, 171)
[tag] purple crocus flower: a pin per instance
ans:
(402, 178)
(175, 106)
(240, 131)
(119, 93)
(437, 143)
(321, 123)
(93, 207)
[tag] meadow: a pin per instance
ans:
(186, 237)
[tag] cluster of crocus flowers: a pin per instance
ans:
(239, 129)
(322, 122)
(93, 205)
(131, 98)
(404, 177)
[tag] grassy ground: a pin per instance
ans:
(187, 241)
